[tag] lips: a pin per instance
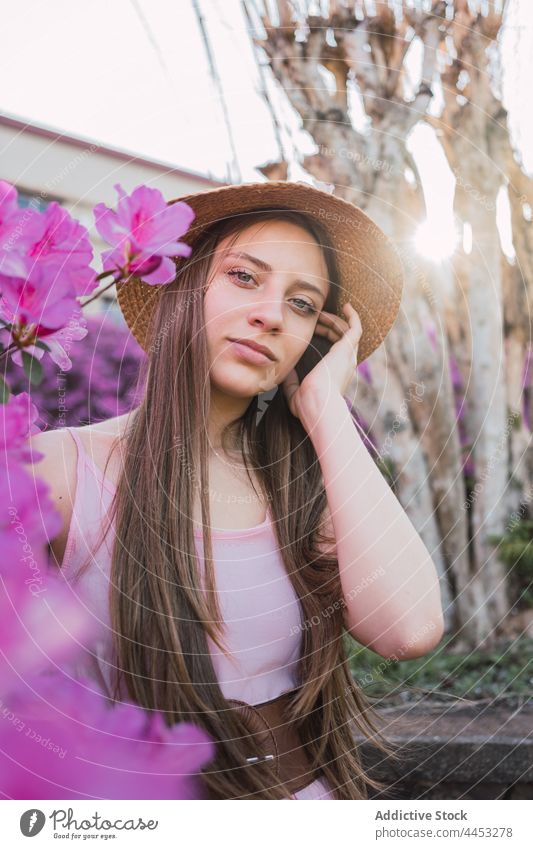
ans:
(255, 346)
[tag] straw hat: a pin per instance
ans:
(370, 269)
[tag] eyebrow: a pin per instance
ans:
(264, 266)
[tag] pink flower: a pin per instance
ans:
(43, 623)
(44, 267)
(65, 245)
(74, 331)
(364, 369)
(72, 744)
(45, 298)
(431, 333)
(19, 229)
(143, 233)
(17, 422)
(52, 237)
(28, 519)
(59, 736)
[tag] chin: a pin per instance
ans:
(237, 386)
(243, 381)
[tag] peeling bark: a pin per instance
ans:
(362, 55)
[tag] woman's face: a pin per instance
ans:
(261, 289)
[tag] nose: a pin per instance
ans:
(267, 313)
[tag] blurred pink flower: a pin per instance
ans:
(364, 370)
(28, 520)
(43, 623)
(68, 742)
(17, 422)
(59, 735)
(431, 333)
(143, 233)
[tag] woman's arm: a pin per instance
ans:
(389, 581)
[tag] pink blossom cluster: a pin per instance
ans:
(60, 737)
(45, 265)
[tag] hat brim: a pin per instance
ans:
(370, 268)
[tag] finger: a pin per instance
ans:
(328, 333)
(330, 326)
(354, 319)
(335, 321)
(353, 335)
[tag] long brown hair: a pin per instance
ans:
(160, 615)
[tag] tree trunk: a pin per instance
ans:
(410, 403)
(472, 129)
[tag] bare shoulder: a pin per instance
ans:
(109, 428)
(57, 460)
(57, 467)
(99, 439)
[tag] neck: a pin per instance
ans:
(224, 410)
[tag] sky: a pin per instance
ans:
(134, 74)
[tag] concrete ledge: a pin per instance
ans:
(459, 750)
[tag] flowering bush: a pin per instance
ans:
(59, 736)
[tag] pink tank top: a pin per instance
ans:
(258, 603)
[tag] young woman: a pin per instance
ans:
(229, 529)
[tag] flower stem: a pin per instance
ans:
(101, 291)
(9, 348)
(21, 342)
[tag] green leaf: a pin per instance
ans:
(32, 368)
(5, 391)
(40, 344)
